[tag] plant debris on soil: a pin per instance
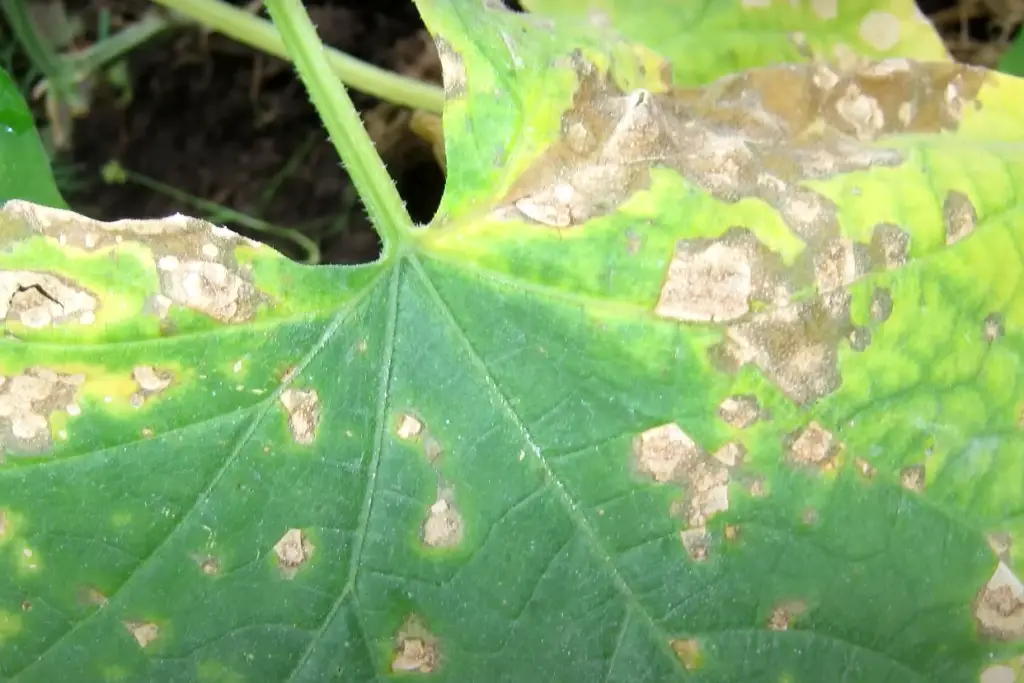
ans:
(217, 120)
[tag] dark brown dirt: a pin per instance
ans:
(219, 121)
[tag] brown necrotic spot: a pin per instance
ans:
(194, 259)
(740, 411)
(303, 409)
(912, 477)
(27, 402)
(150, 382)
(783, 615)
(409, 427)
(960, 216)
(695, 543)
(999, 607)
(91, 597)
(208, 565)
(756, 134)
(881, 304)
(444, 526)
(1000, 673)
(795, 346)
(292, 551)
(859, 338)
(662, 451)
(688, 652)
(416, 648)
(812, 446)
(992, 328)
(889, 246)
(144, 632)
(38, 299)
(866, 469)
(709, 284)
(718, 280)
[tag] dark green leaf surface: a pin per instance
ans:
(24, 167)
(714, 384)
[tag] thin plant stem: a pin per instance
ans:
(376, 188)
(239, 25)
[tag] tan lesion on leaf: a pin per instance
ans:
(292, 551)
(409, 427)
(718, 280)
(444, 526)
(150, 382)
(999, 606)
(812, 446)
(689, 653)
(39, 299)
(960, 216)
(889, 247)
(27, 403)
(756, 134)
(881, 304)
(144, 632)
(785, 613)
(668, 454)
(992, 327)
(193, 259)
(795, 346)
(912, 478)
(416, 648)
(303, 409)
(740, 411)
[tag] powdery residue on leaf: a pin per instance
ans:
(292, 551)
(303, 409)
(38, 299)
(416, 648)
(999, 607)
(27, 402)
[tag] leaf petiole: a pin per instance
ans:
(376, 188)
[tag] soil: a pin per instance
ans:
(218, 121)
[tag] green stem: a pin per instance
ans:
(121, 43)
(245, 28)
(339, 116)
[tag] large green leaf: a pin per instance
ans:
(24, 167)
(716, 384)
